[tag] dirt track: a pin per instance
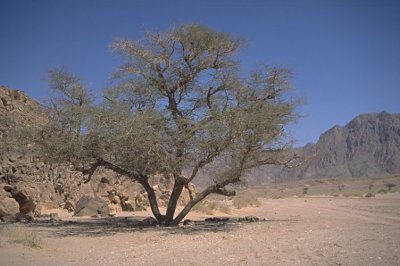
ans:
(299, 231)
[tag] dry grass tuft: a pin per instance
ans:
(245, 199)
(209, 207)
(18, 235)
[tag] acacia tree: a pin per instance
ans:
(179, 105)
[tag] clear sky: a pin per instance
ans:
(345, 53)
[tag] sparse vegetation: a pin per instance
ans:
(390, 186)
(18, 235)
(369, 195)
(370, 186)
(305, 190)
(382, 191)
(209, 207)
(245, 199)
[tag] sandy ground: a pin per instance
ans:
(299, 231)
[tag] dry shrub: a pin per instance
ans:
(369, 195)
(390, 186)
(245, 199)
(353, 194)
(18, 235)
(209, 207)
(382, 191)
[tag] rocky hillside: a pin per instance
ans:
(369, 145)
(36, 186)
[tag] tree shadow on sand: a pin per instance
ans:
(100, 227)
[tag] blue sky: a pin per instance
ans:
(345, 54)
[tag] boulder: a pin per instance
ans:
(89, 206)
(24, 199)
(8, 207)
(127, 206)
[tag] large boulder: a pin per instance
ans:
(8, 207)
(89, 206)
(26, 202)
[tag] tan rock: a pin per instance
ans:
(8, 207)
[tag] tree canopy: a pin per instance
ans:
(179, 104)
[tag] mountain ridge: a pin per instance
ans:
(368, 145)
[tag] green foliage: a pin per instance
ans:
(178, 102)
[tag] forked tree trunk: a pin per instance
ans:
(151, 195)
(191, 204)
(173, 202)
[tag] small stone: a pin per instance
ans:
(187, 222)
(150, 221)
(217, 219)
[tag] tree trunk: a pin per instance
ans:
(173, 201)
(153, 202)
(191, 204)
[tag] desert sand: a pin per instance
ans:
(309, 230)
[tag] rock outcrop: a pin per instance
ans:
(38, 186)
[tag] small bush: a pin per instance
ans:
(370, 186)
(390, 186)
(9, 234)
(382, 191)
(208, 207)
(369, 195)
(203, 207)
(245, 199)
(224, 208)
(305, 190)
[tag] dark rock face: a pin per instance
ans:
(369, 145)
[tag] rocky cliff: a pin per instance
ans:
(369, 145)
(38, 186)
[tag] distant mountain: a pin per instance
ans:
(367, 146)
